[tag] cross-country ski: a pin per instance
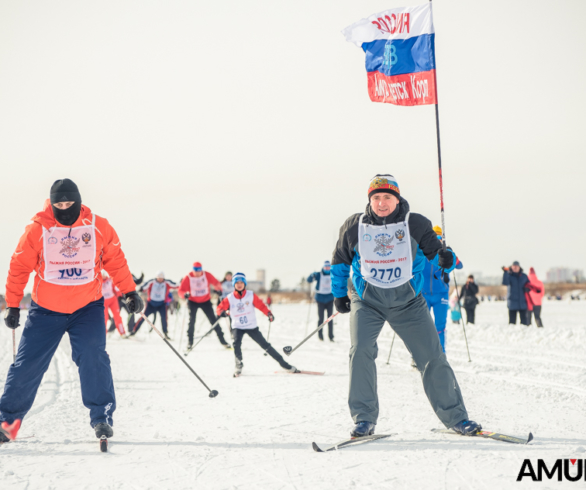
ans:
(353, 441)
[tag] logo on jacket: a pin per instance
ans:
(367, 238)
(383, 244)
(400, 234)
(86, 237)
(52, 240)
(69, 247)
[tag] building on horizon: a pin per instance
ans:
(564, 274)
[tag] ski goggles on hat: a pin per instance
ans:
(197, 269)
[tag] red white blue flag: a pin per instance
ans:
(400, 54)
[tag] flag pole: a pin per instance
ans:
(439, 152)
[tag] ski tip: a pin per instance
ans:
(530, 438)
(11, 430)
(213, 394)
(104, 444)
(316, 448)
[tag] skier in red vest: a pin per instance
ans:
(195, 287)
(111, 294)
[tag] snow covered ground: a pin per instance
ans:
(257, 433)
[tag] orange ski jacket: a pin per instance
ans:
(29, 257)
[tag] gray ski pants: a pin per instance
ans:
(414, 325)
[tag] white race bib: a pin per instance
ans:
(158, 291)
(70, 254)
(199, 286)
(385, 253)
(108, 289)
(242, 311)
(325, 283)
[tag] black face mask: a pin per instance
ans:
(65, 190)
(68, 216)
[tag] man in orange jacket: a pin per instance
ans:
(195, 287)
(67, 246)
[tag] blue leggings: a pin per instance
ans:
(42, 333)
(440, 307)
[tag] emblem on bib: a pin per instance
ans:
(367, 238)
(70, 247)
(240, 307)
(86, 237)
(52, 240)
(383, 244)
(400, 234)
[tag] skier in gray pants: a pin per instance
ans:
(386, 247)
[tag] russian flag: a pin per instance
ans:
(400, 54)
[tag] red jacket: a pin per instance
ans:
(536, 294)
(185, 287)
(256, 301)
(29, 257)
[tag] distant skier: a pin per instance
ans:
(436, 292)
(227, 288)
(535, 297)
(157, 290)
(324, 298)
(195, 287)
(469, 299)
(67, 246)
(517, 285)
(241, 304)
(269, 300)
(386, 247)
(122, 306)
(111, 294)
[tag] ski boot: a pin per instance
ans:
(103, 432)
(292, 369)
(239, 366)
(167, 336)
(362, 429)
(467, 428)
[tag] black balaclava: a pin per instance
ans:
(65, 190)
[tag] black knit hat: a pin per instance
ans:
(64, 190)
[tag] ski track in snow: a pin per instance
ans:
(257, 433)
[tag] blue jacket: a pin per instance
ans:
(320, 298)
(515, 295)
(425, 245)
(434, 280)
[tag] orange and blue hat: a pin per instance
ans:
(384, 183)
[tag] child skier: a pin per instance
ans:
(241, 304)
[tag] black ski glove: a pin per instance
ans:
(134, 302)
(12, 317)
(446, 258)
(271, 317)
(224, 314)
(343, 304)
(526, 289)
(186, 295)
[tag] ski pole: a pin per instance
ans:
(183, 325)
(461, 316)
(205, 335)
(213, 393)
(289, 350)
(268, 334)
(392, 342)
(308, 312)
(14, 346)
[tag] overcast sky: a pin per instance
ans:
(240, 133)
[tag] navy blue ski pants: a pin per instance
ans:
(42, 333)
(153, 309)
